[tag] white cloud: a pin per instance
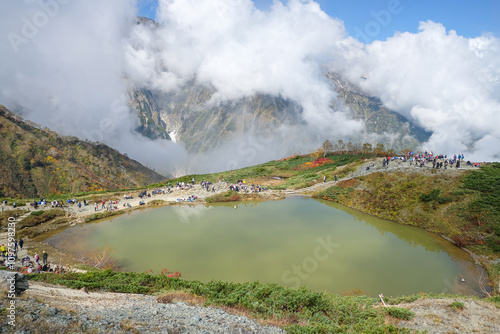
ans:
(448, 83)
(63, 60)
(241, 51)
(71, 62)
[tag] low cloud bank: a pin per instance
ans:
(71, 64)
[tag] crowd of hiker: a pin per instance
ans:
(241, 185)
(37, 264)
(422, 159)
(438, 161)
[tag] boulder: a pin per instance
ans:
(21, 281)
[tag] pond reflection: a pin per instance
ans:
(296, 241)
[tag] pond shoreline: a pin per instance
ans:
(189, 224)
(79, 215)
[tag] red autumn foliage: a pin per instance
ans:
(290, 157)
(315, 163)
(459, 240)
(176, 274)
(321, 162)
(170, 274)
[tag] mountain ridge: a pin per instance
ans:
(203, 126)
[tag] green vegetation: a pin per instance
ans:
(4, 216)
(40, 217)
(434, 196)
(464, 207)
(483, 213)
(452, 204)
(400, 313)
(495, 300)
(102, 215)
(457, 305)
(230, 196)
(37, 213)
(299, 310)
(295, 172)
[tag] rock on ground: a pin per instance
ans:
(21, 282)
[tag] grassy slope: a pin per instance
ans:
(291, 170)
(38, 163)
(461, 206)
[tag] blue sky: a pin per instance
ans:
(468, 18)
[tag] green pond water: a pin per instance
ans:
(294, 242)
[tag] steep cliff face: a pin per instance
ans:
(394, 130)
(38, 162)
(190, 116)
(152, 125)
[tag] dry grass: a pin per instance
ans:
(272, 321)
(181, 296)
(42, 326)
(128, 325)
(348, 183)
(267, 180)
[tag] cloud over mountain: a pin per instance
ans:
(64, 62)
(448, 83)
(241, 51)
(72, 64)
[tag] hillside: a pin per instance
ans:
(37, 162)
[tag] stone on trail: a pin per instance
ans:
(21, 282)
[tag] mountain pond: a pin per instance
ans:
(293, 242)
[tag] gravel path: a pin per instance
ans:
(178, 196)
(375, 166)
(51, 309)
(437, 316)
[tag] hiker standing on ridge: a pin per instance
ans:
(45, 256)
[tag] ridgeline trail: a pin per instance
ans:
(376, 166)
